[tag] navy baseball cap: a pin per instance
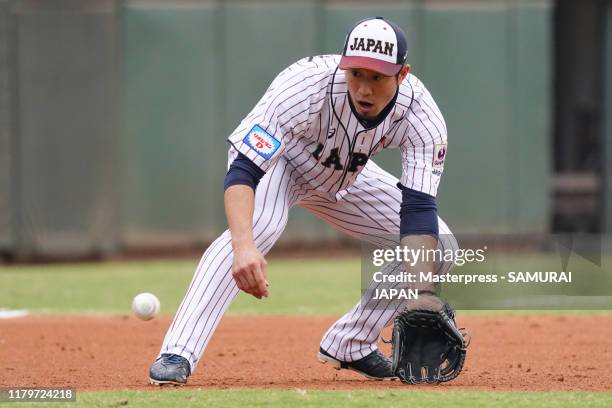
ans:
(376, 44)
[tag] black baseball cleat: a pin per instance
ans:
(170, 369)
(374, 366)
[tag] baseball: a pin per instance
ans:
(145, 306)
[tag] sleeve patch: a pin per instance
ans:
(439, 155)
(262, 142)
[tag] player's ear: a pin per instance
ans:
(403, 72)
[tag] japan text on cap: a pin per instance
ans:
(375, 44)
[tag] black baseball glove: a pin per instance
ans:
(427, 345)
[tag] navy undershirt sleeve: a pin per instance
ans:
(243, 171)
(418, 213)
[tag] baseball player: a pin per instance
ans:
(309, 142)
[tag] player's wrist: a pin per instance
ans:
(243, 244)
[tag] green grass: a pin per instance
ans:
(299, 286)
(318, 286)
(308, 398)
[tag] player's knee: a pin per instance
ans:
(266, 239)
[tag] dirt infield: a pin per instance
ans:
(103, 353)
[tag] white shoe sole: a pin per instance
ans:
(160, 383)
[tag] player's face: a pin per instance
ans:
(371, 91)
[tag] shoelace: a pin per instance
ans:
(175, 359)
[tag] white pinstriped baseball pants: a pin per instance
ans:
(369, 211)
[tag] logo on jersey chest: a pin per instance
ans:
(334, 161)
(262, 142)
(371, 45)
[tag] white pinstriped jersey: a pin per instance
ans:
(304, 135)
(305, 116)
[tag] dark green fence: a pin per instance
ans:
(64, 158)
(7, 178)
(106, 162)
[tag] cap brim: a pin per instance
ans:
(385, 68)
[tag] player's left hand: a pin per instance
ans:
(427, 345)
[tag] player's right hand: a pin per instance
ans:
(249, 271)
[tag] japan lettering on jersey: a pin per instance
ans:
(306, 117)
